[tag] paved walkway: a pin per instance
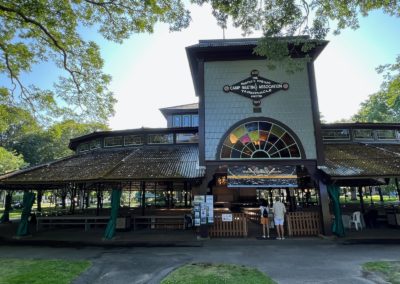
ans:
(148, 256)
(287, 261)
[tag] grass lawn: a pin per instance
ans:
(15, 213)
(35, 271)
(367, 199)
(215, 274)
(388, 270)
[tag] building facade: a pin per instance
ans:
(254, 133)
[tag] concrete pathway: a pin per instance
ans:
(286, 261)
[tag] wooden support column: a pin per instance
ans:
(155, 194)
(185, 188)
(99, 195)
(39, 200)
(170, 194)
(271, 198)
(87, 199)
(360, 194)
(191, 195)
(325, 213)
(143, 190)
(370, 195)
(73, 195)
(64, 192)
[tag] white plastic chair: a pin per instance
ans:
(356, 220)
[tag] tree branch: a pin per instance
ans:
(51, 37)
(14, 77)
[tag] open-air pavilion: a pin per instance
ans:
(165, 174)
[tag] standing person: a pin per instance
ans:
(264, 210)
(279, 218)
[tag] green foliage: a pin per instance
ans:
(289, 17)
(390, 270)
(10, 161)
(294, 18)
(216, 273)
(383, 106)
(52, 31)
(60, 134)
(377, 109)
(15, 123)
(52, 143)
(16, 271)
(33, 32)
(23, 138)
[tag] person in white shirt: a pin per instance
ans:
(264, 210)
(279, 217)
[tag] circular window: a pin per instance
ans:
(260, 140)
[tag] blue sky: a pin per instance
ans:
(150, 71)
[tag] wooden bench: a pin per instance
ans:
(86, 221)
(160, 222)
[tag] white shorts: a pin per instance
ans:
(278, 221)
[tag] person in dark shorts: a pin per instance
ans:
(264, 210)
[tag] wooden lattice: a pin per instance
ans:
(303, 223)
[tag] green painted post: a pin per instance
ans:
(337, 226)
(115, 203)
(27, 203)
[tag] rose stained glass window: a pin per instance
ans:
(260, 140)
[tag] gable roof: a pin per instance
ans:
(187, 108)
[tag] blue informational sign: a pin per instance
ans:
(262, 177)
(203, 208)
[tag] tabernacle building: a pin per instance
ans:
(254, 134)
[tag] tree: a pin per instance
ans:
(15, 123)
(10, 161)
(45, 30)
(383, 106)
(60, 134)
(51, 31)
(294, 18)
(23, 138)
(377, 109)
(51, 144)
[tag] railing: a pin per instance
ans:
(160, 222)
(235, 228)
(303, 223)
(86, 221)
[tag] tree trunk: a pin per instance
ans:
(380, 194)
(397, 187)
(353, 191)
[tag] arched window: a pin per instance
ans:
(260, 140)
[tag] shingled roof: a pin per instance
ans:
(178, 162)
(359, 160)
